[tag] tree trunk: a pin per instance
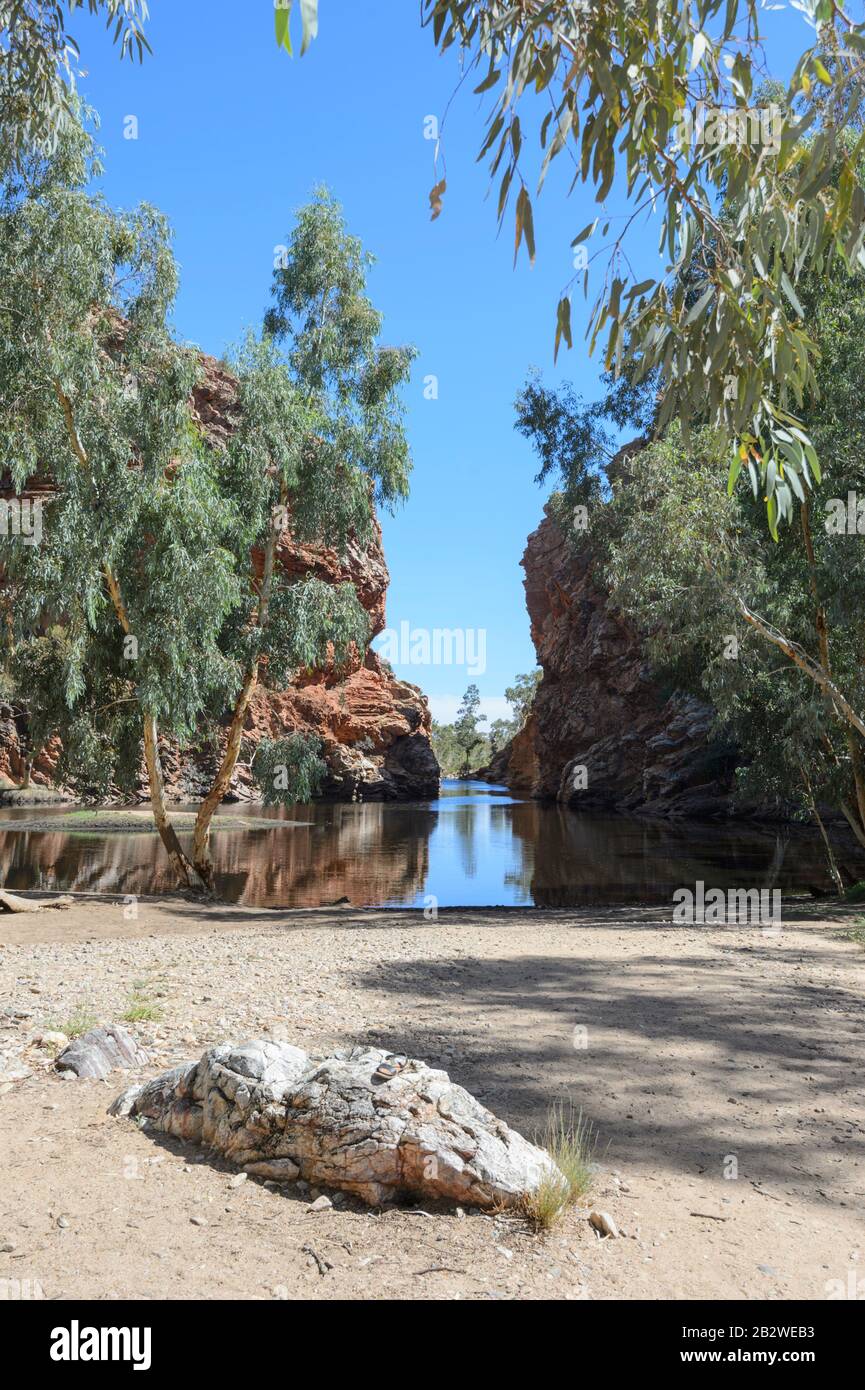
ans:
(797, 654)
(185, 870)
(854, 822)
(201, 836)
(830, 856)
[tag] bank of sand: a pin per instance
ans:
(703, 1048)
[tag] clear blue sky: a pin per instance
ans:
(234, 135)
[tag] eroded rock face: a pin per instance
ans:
(375, 729)
(333, 1123)
(600, 707)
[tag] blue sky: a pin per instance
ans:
(233, 135)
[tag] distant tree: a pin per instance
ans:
(446, 749)
(521, 695)
(501, 731)
(467, 735)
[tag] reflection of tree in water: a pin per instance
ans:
(369, 853)
(379, 853)
(581, 859)
(464, 824)
(522, 852)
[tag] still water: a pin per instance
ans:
(476, 846)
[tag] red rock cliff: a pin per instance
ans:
(599, 706)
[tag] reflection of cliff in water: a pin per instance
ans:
(360, 852)
(570, 859)
(475, 846)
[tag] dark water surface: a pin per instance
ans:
(476, 846)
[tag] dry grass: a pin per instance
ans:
(570, 1141)
(74, 1026)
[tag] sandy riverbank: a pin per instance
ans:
(700, 1044)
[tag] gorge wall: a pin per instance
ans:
(374, 728)
(600, 707)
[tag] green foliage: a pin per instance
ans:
(619, 90)
(91, 382)
(463, 746)
(141, 1008)
(501, 731)
(80, 1021)
(570, 1140)
(575, 441)
(39, 60)
(289, 770)
(683, 558)
(157, 591)
(521, 695)
(466, 732)
(329, 329)
(282, 19)
(732, 616)
(450, 754)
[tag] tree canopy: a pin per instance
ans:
(666, 100)
(38, 67)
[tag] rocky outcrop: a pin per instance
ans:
(374, 729)
(280, 1114)
(603, 732)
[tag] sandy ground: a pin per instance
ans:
(721, 1067)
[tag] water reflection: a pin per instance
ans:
(475, 846)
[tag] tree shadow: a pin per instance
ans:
(678, 1061)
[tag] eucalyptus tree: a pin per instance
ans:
(521, 695)
(118, 611)
(466, 731)
(319, 440)
(158, 600)
(660, 99)
(38, 65)
(770, 633)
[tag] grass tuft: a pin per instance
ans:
(141, 1007)
(74, 1026)
(141, 1011)
(570, 1141)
